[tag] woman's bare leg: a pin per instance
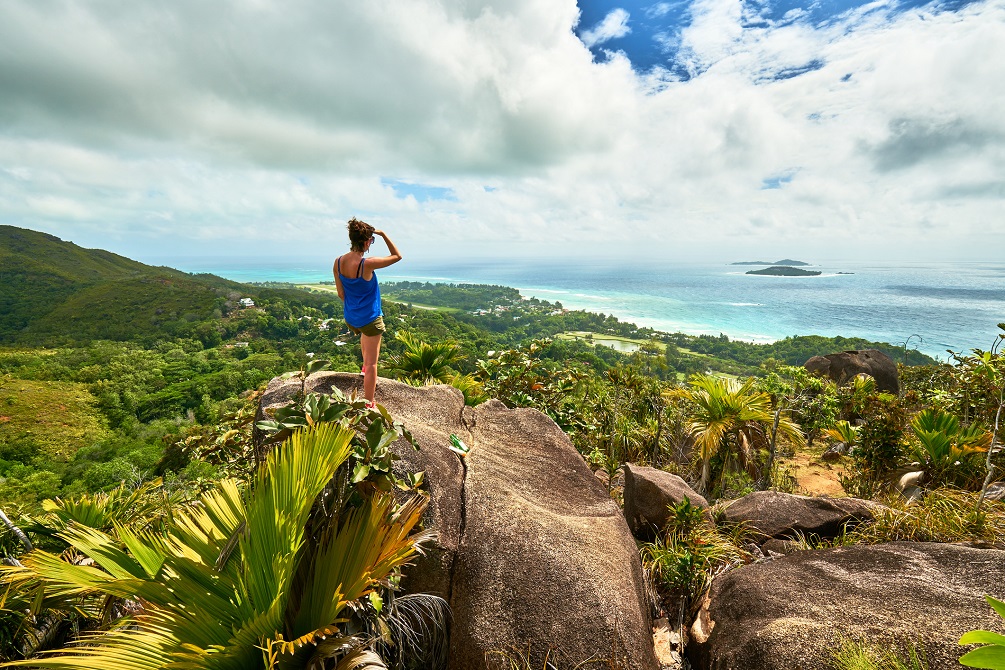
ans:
(371, 350)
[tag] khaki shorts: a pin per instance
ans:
(375, 327)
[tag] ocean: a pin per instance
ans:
(931, 307)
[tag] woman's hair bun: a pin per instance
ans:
(359, 233)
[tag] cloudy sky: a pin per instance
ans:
(691, 129)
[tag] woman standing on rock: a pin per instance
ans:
(357, 287)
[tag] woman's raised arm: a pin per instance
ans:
(384, 261)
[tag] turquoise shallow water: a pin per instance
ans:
(932, 306)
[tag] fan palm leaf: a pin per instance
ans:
(216, 585)
(145, 506)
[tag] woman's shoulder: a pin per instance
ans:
(346, 260)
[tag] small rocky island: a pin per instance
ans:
(785, 261)
(784, 271)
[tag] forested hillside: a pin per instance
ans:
(128, 392)
(54, 292)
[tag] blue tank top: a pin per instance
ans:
(362, 297)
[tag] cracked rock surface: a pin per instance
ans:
(793, 611)
(532, 554)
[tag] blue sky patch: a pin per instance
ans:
(789, 73)
(777, 181)
(421, 192)
(651, 33)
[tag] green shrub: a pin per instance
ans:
(682, 560)
(949, 453)
(880, 448)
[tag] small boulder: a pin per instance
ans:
(793, 611)
(648, 495)
(781, 515)
(842, 367)
(834, 453)
(776, 547)
(996, 491)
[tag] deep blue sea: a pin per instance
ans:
(929, 306)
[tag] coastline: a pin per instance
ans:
(950, 305)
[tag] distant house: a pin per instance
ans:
(247, 302)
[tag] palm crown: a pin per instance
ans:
(255, 580)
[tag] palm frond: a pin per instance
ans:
(203, 605)
(424, 362)
(360, 553)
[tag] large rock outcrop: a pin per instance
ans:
(791, 612)
(772, 514)
(842, 367)
(532, 553)
(431, 414)
(649, 493)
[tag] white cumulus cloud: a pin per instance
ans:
(238, 127)
(613, 26)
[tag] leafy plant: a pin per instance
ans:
(854, 396)
(732, 418)
(812, 401)
(992, 655)
(520, 378)
(684, 558)
(843, 431)
(143, 508)
(422, 362)
(470, 387)
(949, 453)
(374, 431)
(257, 580)
(309, 368)
(880, 447)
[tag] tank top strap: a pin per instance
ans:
(359, 270)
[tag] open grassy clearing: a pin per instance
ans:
(60, 417)
(331, 289)
(420, 306)
(607, 340)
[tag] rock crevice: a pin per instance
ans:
(531, 553)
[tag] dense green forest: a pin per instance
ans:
(154, 352)
(127, 391)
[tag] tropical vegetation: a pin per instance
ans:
(128, 397)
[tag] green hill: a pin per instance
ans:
(55, 291)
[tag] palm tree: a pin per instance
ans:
(727, 417)
(424, 363)
(257, 580)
